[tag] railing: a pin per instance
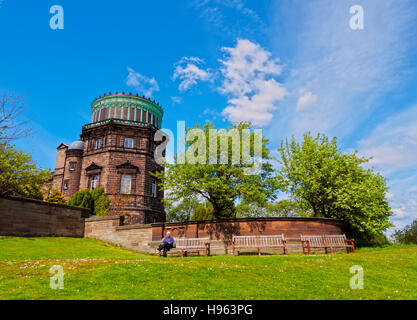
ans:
(120, 121)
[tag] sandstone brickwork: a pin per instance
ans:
(30, 218)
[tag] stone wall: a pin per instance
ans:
(108, 229)
(145, 238)
(221, 232)
(33, 218)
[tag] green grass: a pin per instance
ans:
(97, 270)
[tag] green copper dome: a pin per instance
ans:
(126, 108)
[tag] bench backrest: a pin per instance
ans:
(335, 241)
(191, 242)
(325, 240)
(314, 241)
(259, 241)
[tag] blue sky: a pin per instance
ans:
(289, 66)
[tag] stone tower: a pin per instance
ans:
(116, 151)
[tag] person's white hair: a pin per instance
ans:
(168, 232)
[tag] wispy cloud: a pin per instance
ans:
(231, 17)
(189, 71)
(393, 146)
(249, 80)
(141, 83)
(176, 100)
(346, 70)
(393, 143)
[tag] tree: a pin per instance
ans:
(55, 196)
(283, 208)
(181, 211)
(335, 185)
(11, 108)
(408, 235)
(19, 175)
(203, 213)
(221, 182)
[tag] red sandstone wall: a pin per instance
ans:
(292, 227)
(26, 217)
(145, 238)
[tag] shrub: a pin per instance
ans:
(101, 206)
(55, 196)
(82, 199)
(95, 200)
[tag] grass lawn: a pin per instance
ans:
(97, 270)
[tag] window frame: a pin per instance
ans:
(130, 145)
(123, 189)
(95, 182)
(154, 189)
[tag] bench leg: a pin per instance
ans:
(259, 251)
(285, 250)
(325, 249)
(347, 249)
(233, 248)
(182, 253)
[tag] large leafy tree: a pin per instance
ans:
(335, 185)
(19, 175)
(220, 182)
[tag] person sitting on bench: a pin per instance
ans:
(166, 244)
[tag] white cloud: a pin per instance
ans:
(189, 72)
(306, 101)
(249, 72)
(393, 146)
(349, 70)
(141, 83)
(393, 143)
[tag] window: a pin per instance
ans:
(153, 189)
(126, 184)
(72, 166)
(128, 143)
(94, 182)
(98, 144)
(65, 185)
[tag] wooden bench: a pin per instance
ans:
(190, 244)
(260, 242)
(328, 242)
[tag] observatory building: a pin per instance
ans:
(116, 151)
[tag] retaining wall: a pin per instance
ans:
(33, 218)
